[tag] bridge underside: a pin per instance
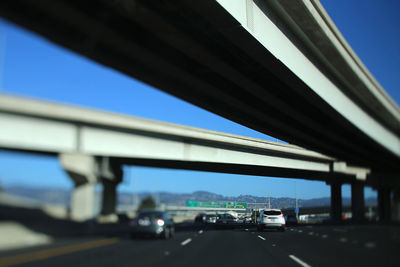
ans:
(198, 52)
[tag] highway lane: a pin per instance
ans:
(298, 246)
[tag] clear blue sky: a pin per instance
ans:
(31, 66)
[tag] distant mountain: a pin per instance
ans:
(62, 196)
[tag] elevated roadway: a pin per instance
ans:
(278, 67)
(52, 128)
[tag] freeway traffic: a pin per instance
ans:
(312, 245)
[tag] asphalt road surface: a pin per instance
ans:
(365, 245)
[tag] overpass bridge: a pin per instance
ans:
(93, 145)
(278, 67)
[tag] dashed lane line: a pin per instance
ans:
(187, 241)
(370, 245)
(302, 263)
(261, 237)
(200, 232)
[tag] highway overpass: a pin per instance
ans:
(93, 145)
(278, 67)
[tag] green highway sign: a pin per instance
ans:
(216, 204)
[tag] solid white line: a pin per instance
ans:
(187, 241)
(261, 237)
(302, 263)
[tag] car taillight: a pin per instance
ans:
(281, 215)
(160, 222)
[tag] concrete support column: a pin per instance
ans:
(111, 176)
(82, 202)
(396, 205)
(82, 169)
(336, 202)
(384, 204)
(357, 201)
(109, 201)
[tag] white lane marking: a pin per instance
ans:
(302, 263)
(187, 241)
(291, 229)
(200, 232)
(300, 231)
(324, 236)
(246, 229)
(261, 237)
(370, 245)
(273, 245)
(343, 239)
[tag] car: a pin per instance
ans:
(211, 219)
(248, 219)
(153, 223)
(271, 219)
(200, 218)
(226, 220)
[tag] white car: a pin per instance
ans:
(271, 219)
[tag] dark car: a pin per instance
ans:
(200, 218)
(153, 223)
(226, 221)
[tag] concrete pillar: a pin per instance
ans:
(83, 202)
(384, 204)
(357, 201)
(396, 205)
(82, 169)
(336, 202)
(111, 176)
(109, 200)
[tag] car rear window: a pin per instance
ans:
(272, 212)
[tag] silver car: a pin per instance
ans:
(153, 223)
(272, 219)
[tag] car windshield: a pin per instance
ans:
(150, 214)
(272, 212)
